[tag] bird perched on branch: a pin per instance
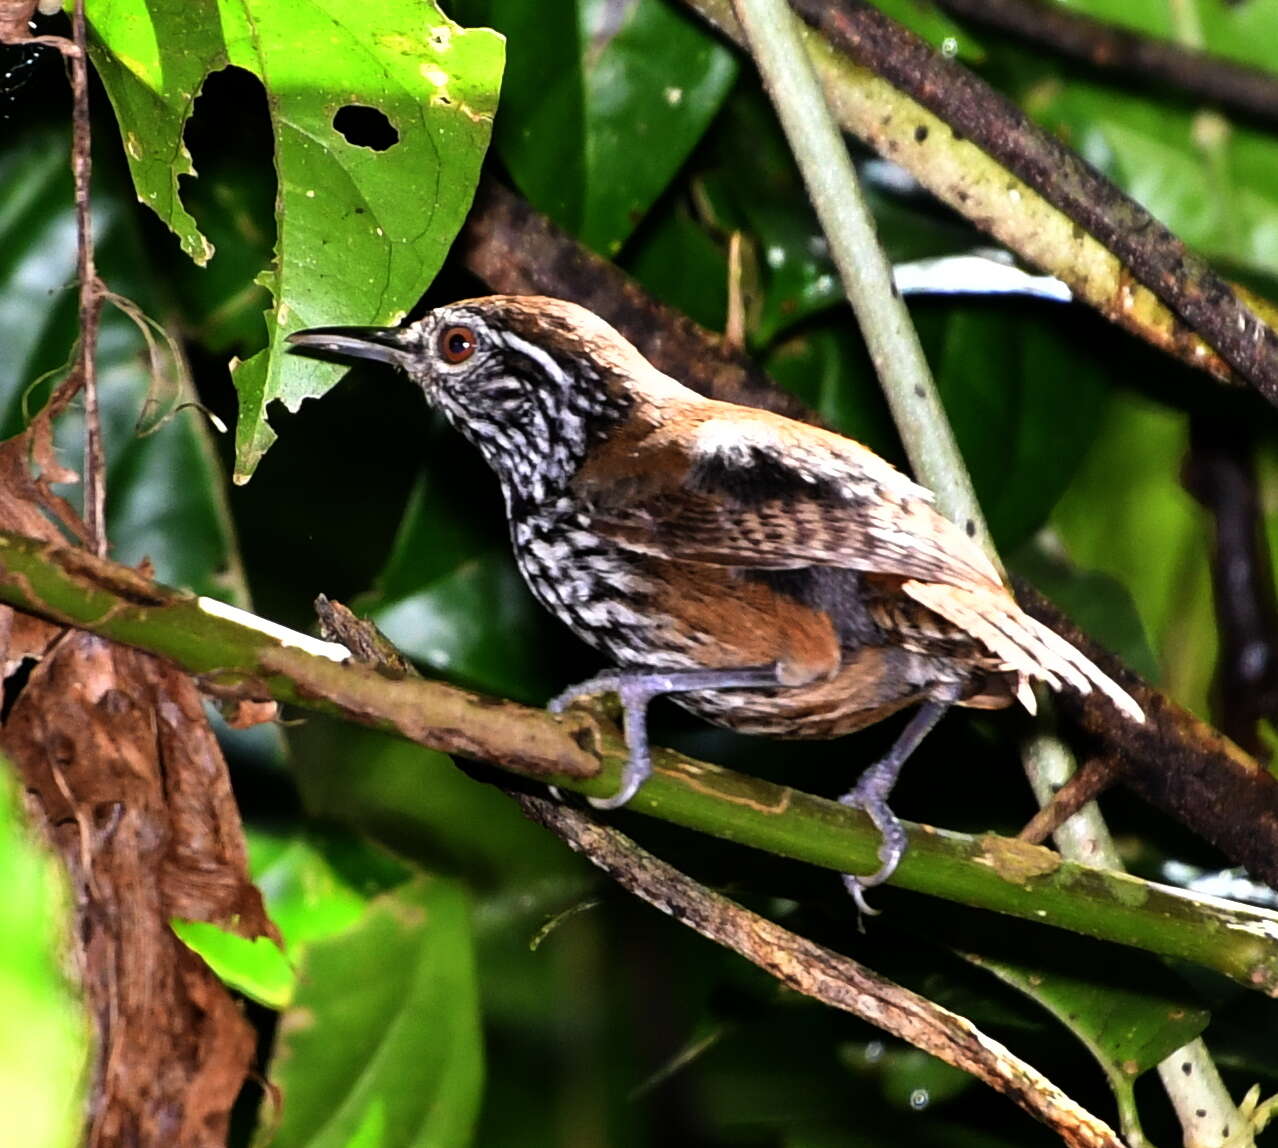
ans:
(768, 575)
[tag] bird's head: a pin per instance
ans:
(532, 382)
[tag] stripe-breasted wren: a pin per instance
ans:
(771, 576)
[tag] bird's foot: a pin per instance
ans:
(870, 796)
(635, 689)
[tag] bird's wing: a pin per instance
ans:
(768, 493)
(760, 492)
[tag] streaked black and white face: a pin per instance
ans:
(513, 374)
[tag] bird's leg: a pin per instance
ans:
(870, 795)
(635, 689)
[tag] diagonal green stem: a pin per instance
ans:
(773, 33)
(243, 659)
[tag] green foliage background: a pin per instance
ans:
(430, 1007)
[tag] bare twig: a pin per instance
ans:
(1063, 802)
(822, 974)
(15, 19)
(240, 656)
(1214, 79)
(90, 289)
(834, 979)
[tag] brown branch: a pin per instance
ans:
(1221, 474)
(1174, 761)
(821, 973)
(1095, 776)
(1183, 280)
(90, 288)
(1214, 79)
(15, 20)
(126, 781)
(128, 784)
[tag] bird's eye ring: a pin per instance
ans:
(457, 344)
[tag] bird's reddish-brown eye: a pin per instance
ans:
(457, 344)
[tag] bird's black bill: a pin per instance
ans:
(381, 344)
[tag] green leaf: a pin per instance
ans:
(827, 367)
(360, 232)
(382, 1043)
(1207, 178)
(1099, 604)
(44, 1034)
(755, 187)
(928, 21)
(317, 883)
(602, 104)
(1245, 32)
(1129, 1020)
(416, 802)
(909, 1078)
(257, 968)
(676, 260)
(1025, 396)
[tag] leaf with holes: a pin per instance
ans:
(381, 110)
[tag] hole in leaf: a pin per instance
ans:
(365, 127)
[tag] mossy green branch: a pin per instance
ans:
(583, 753)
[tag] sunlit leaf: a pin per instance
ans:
(258, 968)
(317, 883)
(44, 1034)
(376, 163)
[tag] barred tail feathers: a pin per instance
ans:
(1024, 644)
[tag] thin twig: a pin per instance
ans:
(90, 289)
(1065, 800)
(773, 35)
(1214, 79)
(245, 657)
(1189, 1074)
(817, 972)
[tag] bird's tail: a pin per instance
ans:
(1022, 643)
